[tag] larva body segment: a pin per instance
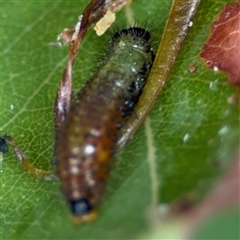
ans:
(86, 141)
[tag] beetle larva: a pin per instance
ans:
(87, 139)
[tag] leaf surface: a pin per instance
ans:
(188, 139)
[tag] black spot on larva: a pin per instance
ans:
(145, 68)
(80, 207)
(129, 103)
(119, 125)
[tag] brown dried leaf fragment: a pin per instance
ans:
(104, 23)
(223, 47)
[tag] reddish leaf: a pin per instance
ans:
(223, 47)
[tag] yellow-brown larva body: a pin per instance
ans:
(87, 139)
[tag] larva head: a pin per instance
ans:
(82, 211)
(133, 31)
(134, 36)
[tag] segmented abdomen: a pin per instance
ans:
(87, 138)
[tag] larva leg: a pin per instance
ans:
(27, 166)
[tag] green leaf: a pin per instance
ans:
(187, 141)
(223, 226)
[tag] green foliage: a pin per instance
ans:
(222, 226)
(184, 145)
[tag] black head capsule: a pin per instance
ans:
(82, 211)
(80, 207)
